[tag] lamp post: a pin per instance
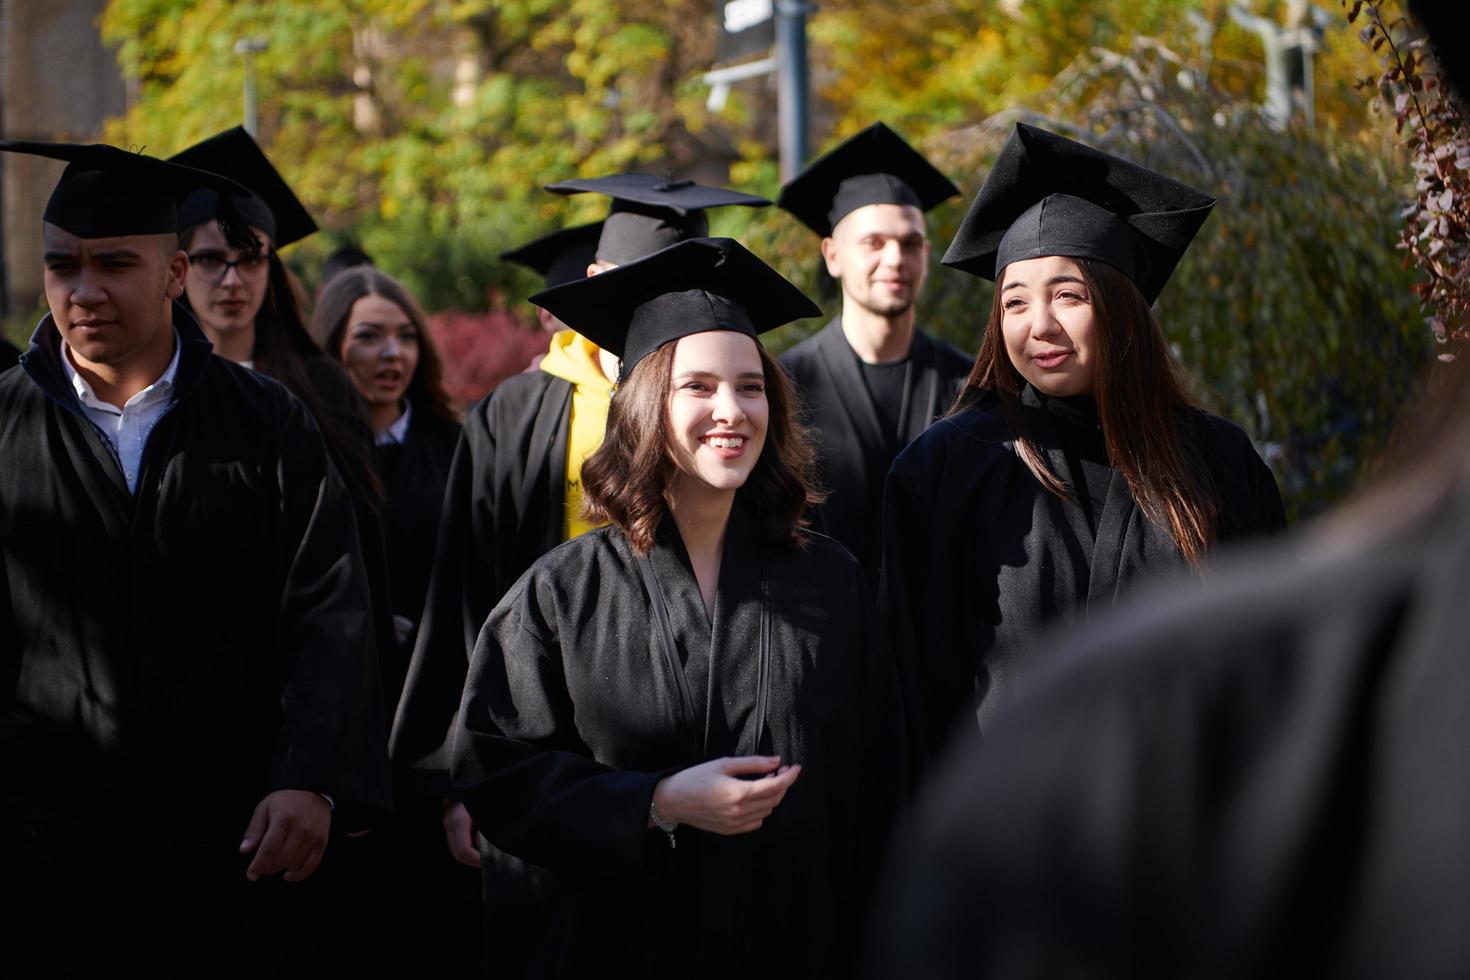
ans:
(248, 48)
(792, 92)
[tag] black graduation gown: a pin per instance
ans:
(400, 885)
(167, 658)
(414, 476)
(978, 557)
(336, 392)
(853, 449)
(1267, 779)
(574, 710)
(9, 356)
(503, 509)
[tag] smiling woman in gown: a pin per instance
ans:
(1074, 464)
(684, 715)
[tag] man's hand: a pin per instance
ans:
(459, 832)
(287, 832)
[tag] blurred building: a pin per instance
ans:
(57, 82)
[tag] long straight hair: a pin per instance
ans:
(623, 482)
(1141, 404)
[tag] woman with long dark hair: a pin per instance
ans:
(683, 715)
(399, 883)
(1073, 463)
(370, 324)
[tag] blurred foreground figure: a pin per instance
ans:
(1269, 780)
(188, 688)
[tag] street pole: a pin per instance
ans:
(248, 48)
(792, 85)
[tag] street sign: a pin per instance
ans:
(747, 28)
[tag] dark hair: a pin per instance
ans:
(285, 351)
(343, 257)
(1141, 403)
(334, 308)
(623, 482)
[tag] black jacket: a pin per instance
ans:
(978, 557)
(167, 658)
(853, 450)
(503, 509)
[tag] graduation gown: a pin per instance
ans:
(502, 510)
(400, 884)
(979, 557)
(853, 448)
(414, 475)
(167, 658)
(1267, 779)
(9, 356)
(575, 707)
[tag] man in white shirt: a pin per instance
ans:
(187, 677)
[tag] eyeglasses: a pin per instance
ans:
(215, 266)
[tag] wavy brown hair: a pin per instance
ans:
(623, 482)
(334, 308)
(1141, 403)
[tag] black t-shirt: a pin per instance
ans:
(885, 384)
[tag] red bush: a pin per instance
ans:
(480, 350)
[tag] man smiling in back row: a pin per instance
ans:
(871, 380)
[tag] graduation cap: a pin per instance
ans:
(649, 213)
(691, 287)
(268, 203)
(874, 167)
(1048, 195)
(562, 256)
(106, 192)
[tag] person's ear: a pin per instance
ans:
(177, 269)
(831, 257)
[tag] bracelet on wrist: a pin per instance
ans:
(667, 826)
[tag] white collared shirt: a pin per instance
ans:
(396, 433)
(126, 428)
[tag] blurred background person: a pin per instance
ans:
(871, 380)
(253, 311)
(343, 257)
(399, 884)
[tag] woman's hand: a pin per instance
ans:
(712, 797)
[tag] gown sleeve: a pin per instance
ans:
(901, 587)
(523, 771)
(332, 739)
(461, 589)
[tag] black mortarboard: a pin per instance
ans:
(269, 205)
(562, 256)
(691, 287)
(874, 167)
(106, 192)
(1048, 195)
(650, 213)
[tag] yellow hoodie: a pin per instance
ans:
(573, 358)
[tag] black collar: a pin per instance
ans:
(42, 361)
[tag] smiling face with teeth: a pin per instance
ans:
(717, 410)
